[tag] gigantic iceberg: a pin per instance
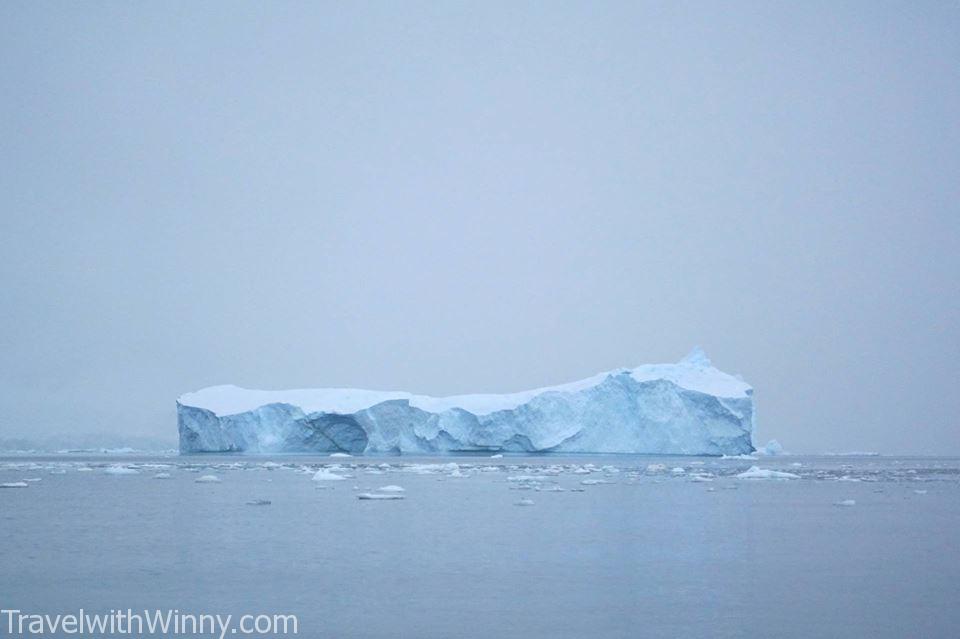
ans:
(687, 408)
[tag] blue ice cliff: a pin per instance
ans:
(687, 408)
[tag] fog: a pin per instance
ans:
(447, 199)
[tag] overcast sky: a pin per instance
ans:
(446, 198)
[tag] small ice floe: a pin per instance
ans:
(701, 478)
(391, 489)
(773, 447)
(756, 472)
(594, 482)
(58, 471)
(523, 502)
(523, 478)
(341, 455)
(656, 468)
(325, 475)
(164, 476)
(33, 479)
(920, 492)
(120, 470)
(84, 469)
(677, 470)
(613, 470)
(14, 484)
(207, 479)
(497, 456)
(711, 489)
(738, 457)
(259, 502)
(550, 489)
(581, 471)
(378, 496)
(457, 473)
(374, 471)
(269, 465)
(846, 502)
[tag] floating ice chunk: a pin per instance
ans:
(656, 468)
(846, 502)
(378, 496)
(765, 473)
(457, 473)
(271, 465)
(796, 464)
(162, 476)
(581, 471)
(391, 489)
(677, 470)
(14, 484)
(58, 471)
(497, 456)
(594, 482)
(34, 479)
(550, 489)
(84, 469)
(422, 469)
(121, 470)
(772, 447)
(744, 456)
(920, 492)
(701, 478)
(259, 502)
(524, 478)
(207, 479)
(325, 475)
(340, 455)
(523, 502)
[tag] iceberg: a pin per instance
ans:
(687, 408)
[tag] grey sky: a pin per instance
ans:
(446, 198)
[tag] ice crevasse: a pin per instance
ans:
(687, 408)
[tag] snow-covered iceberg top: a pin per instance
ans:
(694, 372)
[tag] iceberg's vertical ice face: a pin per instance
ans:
(687, 408)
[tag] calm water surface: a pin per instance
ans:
(638, 550)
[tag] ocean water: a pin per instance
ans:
(611, 546)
